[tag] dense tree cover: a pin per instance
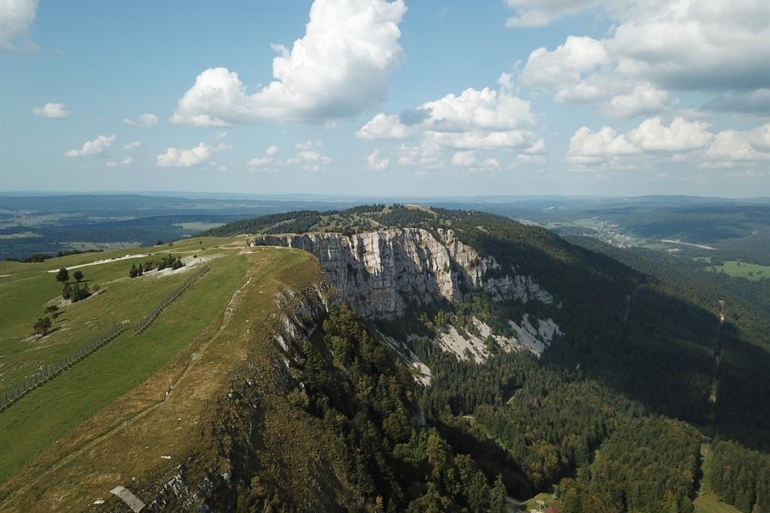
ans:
(649, 341)
(459, 386)
(549, 421)
(286, 222)
(42, 257)
(367, 403)
(669, 340)
(167, 261)
(675, 323)
(741, 476)
(754, 248)
(677, 278)
(73, 291)
(742, 409)
(607, 452)
(552, 427)
(755, 294)
(403, 217)
(365, 209)
(32, 259)
(666, 345)
(648, 465)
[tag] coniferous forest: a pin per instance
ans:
(613, 417)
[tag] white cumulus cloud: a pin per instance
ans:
(680, 135)
(51, 110)
(423, 157)
(470, 162)
(386, 127)
(262, 163)
(145, 120)
(340, 67)
(482, 111)
(654, 50)
(486, 109)
(537, 13)
(308, 157)
(188, 158)
(605, 142)
(730, 146)
(126, 162)
(376, 162)
(16, 18)
(522, 140)
(475, 119)
(132, 145)
(682, 140)
(759, 138)
(93, 148)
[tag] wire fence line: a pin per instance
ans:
(148, 319)
(51, 371)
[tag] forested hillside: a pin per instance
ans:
(607, 417)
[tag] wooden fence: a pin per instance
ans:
(51, 371)
(150, 317)
(56, 368)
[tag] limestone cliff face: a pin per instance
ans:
(378, 273)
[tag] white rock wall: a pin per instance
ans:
(378, 272)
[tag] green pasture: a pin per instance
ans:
(710, 503)
(734, 269)
(40, 418)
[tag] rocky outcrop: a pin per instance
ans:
(532, 335)
(380, 273)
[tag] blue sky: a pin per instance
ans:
(400, 98)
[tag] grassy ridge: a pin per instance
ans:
(190, 351)
(40, 418)
(26, 289)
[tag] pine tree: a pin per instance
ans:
(41, 326)
(497, 499)
(63, 275)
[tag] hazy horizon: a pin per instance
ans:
(300, 195)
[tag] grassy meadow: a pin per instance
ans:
(41, 417)
(114, 415)
(735, 269)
